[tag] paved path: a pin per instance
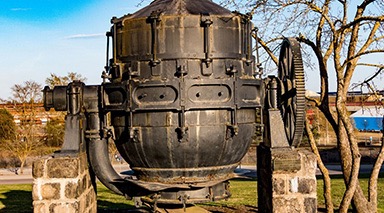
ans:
(248, 171)
(9, 177)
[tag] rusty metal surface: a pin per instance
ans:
(181, 99)
(200, 176)
(184, 101)
(182, 7)
(207, 194)
(292, 98)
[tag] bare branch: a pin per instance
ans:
(324, 171)
(267, 49)
(367, 82)
(322, 68)
(321, 23)
(372, 193)
(360, 20)
(362, 54)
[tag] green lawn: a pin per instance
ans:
(18, 198)
(338, 188)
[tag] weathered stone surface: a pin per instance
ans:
(83, 163)
(294, 185)
(38, 168)
(50, 191)
(93, 209)
(309, 162)
(82, 204)
(66, 188)
(310, 205)
(64, 207)
(39, 207)
(286, 187)
(278, 186)
(83, 184)
(72, 190)
(282, 205)
(285, 160)
(90, 198)
(63, 167)
(307, 186)
(35, 192)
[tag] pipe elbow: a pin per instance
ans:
(101, 165)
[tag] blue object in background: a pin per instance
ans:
(368, 119)
(368, 123)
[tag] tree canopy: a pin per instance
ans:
(7, 125)
(56, 80)
(28, 92)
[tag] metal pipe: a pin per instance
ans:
(114, 40)
(101, 165)
(207, 44)
(108, 35)
(154, 19)
(249, 41)
(98, 147)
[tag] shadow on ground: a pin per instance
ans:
(105, 206)
(12, 201)
(230, 209)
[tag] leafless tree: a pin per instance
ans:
(26, 140)
(56, 80)
(342, 36)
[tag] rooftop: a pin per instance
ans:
(181, 7)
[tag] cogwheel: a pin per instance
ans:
(291, 101)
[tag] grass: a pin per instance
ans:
(18, 198)
(110, 202)
(338, 189)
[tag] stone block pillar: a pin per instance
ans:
(63, 184)
(286, 180)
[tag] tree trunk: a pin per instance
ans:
(22, 159)
(324, 171)
(360, 203)
(372, 193)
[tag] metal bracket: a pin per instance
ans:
(182, 67)
(275, 136)
(135, 134)
(73, 137)
(154, 18)
(184, 199)
(182, 131)
(230, 68)
(232, 130)
(74, 121)
(206, 22)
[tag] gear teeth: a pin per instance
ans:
(298, 70)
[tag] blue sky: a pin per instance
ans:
(39, 37)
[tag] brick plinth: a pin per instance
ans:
(63, 184)
(286, 180)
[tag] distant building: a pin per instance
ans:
(363, 104)
(24, 112)
(368, 119)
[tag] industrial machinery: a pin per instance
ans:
(182, 98)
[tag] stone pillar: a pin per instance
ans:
(63, 184)
(286, 180)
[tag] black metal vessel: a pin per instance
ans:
(181, 99)
(188, 98)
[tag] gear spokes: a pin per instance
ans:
(291, 98)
